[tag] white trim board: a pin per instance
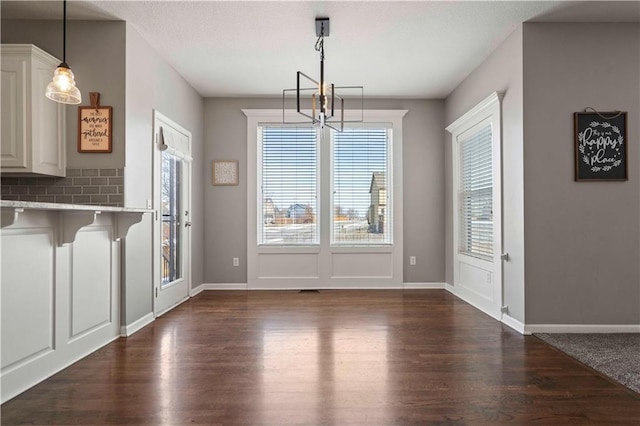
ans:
(128, 330)
(295, 286)
(581, 328)
(464, 297)
(195, 291)
(514, 323)
(479, 109)
(245, 286)
(159, 314)
(219, 286)
(424, 286)
(506, 319)
(28, 384)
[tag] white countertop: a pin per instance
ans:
(31, 205)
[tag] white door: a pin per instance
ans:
(172, 201)
(477, 207)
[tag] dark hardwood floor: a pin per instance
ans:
(328, 358)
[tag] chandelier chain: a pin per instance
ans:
(320, 43)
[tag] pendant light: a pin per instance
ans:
(63, 87)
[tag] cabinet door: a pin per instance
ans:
(47, 124)
(14, 91)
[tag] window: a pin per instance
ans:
(362, 182)
(287, 197)
(475, 194)
(288, 178)
(477, 205)
(324, 209)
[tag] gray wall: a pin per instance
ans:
(95, 53)
(501, 72)
(226, 206)
(111, 58)
(152, 84)
(581, 237)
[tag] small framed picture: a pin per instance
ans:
(600, 146)
(94, 129)
(225, 172)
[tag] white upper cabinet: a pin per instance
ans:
(33, 127)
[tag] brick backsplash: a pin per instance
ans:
(104, 187)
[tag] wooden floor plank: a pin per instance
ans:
(333, 357)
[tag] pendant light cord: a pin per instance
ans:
(64, 31)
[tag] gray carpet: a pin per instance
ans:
(614, 355)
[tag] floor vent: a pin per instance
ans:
(309, 291)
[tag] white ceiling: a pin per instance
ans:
(419, 49)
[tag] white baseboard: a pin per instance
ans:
(297, 288)
(514, 323)
(244, 286)
(128, 330)
(291, 285)
(219, 286)
(582, 328)
(518, 326)
(10, 392)
(528, 329)
(423, 286)
(197, 290)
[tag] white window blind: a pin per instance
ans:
(287, 182)
(362, 183)
(476, 194)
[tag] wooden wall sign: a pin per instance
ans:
(225, 172)
(600, 146)
(94, 126)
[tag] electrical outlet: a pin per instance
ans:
(149, 204)
(236, 261)
(488, 277)
(412, 260)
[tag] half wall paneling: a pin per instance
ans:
(60, 288)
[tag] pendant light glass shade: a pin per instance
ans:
(63, 87)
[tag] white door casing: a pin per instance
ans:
(479, 281)
(171, 138)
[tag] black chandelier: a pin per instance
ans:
(322, 97)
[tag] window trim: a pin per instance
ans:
(476, 280)
(326, 277)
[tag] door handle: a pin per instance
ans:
(187, 224)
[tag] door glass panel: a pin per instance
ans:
(171, 229)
